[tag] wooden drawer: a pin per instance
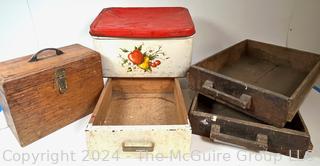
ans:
(140, 115)
(219, 122)
(262, 80)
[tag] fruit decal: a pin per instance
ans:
(136, 57)
(142, 59)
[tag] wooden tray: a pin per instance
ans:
(220, 122)
(265, 81)
(140, 115)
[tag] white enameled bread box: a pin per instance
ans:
(144, 42)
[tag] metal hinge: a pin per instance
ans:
(61, 80)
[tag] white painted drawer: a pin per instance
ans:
(140, 116)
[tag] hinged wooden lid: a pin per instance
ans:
(147, 22)
(46, 59)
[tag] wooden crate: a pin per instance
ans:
(139, 116)
(39, 95)
(219, 122)
(262, 80)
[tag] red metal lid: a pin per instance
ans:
(139, 22)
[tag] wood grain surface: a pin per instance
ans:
(277, 78)
(33, 105)
(240, 129)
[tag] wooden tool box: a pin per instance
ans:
(265, 81)
(48, 90)
(220, 122)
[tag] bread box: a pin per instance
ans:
(144, 42)
(139, 117)
(262, 80)
(222, 123)
(46, 91)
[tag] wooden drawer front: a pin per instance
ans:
(140, 115)
(219, 122)
(265, 81)
(138, 143)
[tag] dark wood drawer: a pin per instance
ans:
(265, 81)
(219, 122)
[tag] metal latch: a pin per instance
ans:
(61, 80)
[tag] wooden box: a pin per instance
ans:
(135, 117)
(219, 122)
(42, 94)
(262, 80)
(144, 41)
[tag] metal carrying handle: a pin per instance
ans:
(34, 57)
(261, 142)
(243, 102)
(137, 146)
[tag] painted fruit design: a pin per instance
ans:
(142, 59)
(136, 57)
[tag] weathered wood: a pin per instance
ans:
(261, 142)
(219, 122)
(134, 115)
(180, 103)
(34, 104)
(276, 78)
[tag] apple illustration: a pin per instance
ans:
(136, 57)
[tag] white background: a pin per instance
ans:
(28, 26)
